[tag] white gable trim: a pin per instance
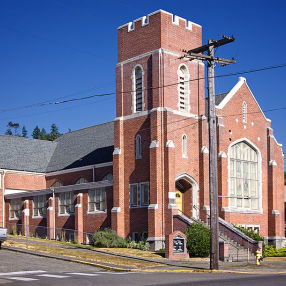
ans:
(241, 81)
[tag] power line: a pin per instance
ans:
(145, 89)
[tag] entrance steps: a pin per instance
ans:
(240, 246)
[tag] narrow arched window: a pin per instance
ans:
(244, 112)
(138, 89)
(81, 181)
(56, 184)
(108, 177)
(184, 146)
(183, 89)
(138, 147)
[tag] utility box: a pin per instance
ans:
(3, 235)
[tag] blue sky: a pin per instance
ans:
(60, 49)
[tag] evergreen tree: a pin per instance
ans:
(54, 133)
(43, 134)
(11, 125)
(36, 132)
(24, 132)
(8, 131)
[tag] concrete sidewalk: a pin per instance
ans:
(268, 266)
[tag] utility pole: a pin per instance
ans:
(197, 53)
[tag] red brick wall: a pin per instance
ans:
(256, 128)
(22, 181)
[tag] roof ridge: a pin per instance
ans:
(24, 138)
(84, 128)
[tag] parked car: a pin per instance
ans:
(3, 235)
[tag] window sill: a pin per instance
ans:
(138, 207)
(67, 214)
(14, 218)
(242, 211)
(97, 212)
(39, 216)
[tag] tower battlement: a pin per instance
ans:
(175, 20)
(159, 29)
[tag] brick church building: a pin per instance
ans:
(145, 174)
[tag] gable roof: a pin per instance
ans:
(88, 146)
(226, 99)
(25, 154)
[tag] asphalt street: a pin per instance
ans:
(25, 269)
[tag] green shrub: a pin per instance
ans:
(250, 233)
(198, 240)
(108, 238)
(270, 251)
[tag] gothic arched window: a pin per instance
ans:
(138, 147)
(183, 89)
(244, 177)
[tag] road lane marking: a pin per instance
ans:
(83, 274)
(119, 273)
(53, 276)
(22, 278)
(22, 273)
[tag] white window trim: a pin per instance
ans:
(259, 173)
(138, 147)
(252, 227)
(184, 155)
(139, 195)
(20, 210)
(65, 214)
(187, 92)
(133, 92)
(96, 211)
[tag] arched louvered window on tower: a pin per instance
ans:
(138, 89)
(183, 89)
(138, 147)
(244, 112)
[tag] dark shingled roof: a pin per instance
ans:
(218, 99)
(88, 146)
(24, 154)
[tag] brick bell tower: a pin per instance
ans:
(155, 99)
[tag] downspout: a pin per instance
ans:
(93, 173)
(3, 201)
(54, 214)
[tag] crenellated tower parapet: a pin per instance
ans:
(159, 29)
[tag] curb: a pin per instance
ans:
(118, 269)
(106, 267)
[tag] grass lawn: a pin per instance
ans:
(79, 254)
